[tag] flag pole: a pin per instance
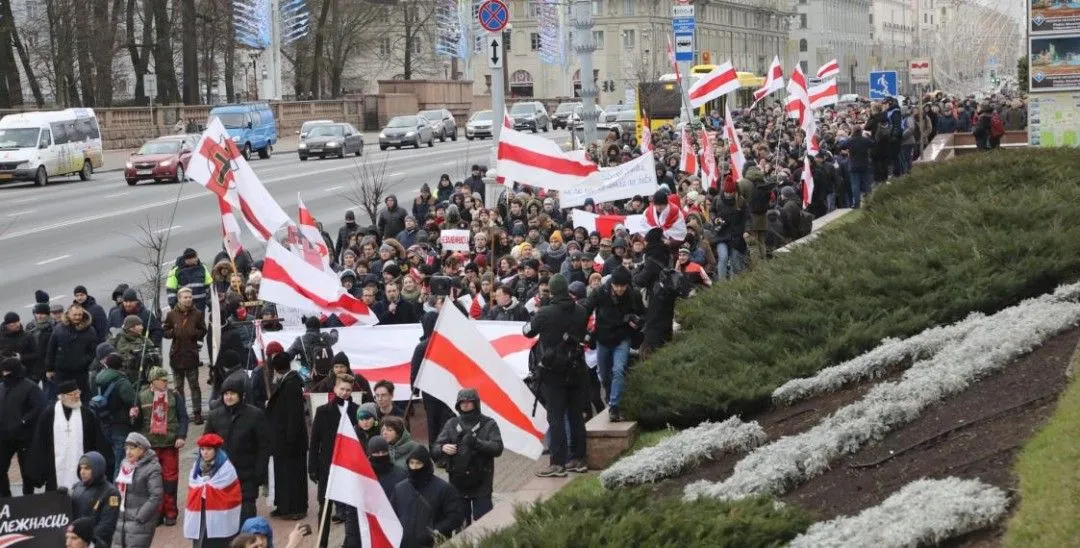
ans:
(326, 500)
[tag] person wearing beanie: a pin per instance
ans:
(19, 411)
(445, 510)
(138, 352)
(16, 340)
(423, 204)
(618, 311)
(315, 349)
(730, 216)
(367, 422)
(470, 443)
(345, 232)
(341, 366)
(80, 534)
(92, 496)
(119, 394)
(185, 325)
(161, 416)
(561, 329)
(246, 435)
(103, 351)
(324, 427)
(40, 329)
(288, 446)
(131, 305)
(141, 492)
(100, 320)
(407, 237)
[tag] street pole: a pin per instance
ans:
(583, 24)
(498, 96)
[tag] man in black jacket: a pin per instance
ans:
(40, 330)
(285, 415)
(471, 441)
(858, 149)
(438, 413)
(305, 345)
(391, 219)
(618, 319)
(97, 313)
(14, 339)
(560, 364)
(131, 305)
(425, 504)
(348, 229)
(660, 312)
(20, 406)
(94, 497)
(247, 440)
(324, 429)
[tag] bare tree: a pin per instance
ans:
(11, 93)
(416, 34)
(352, 28)
(462, 165)
(370, 184)
(151, 238)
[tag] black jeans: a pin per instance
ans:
(563, 399)
(19, 449)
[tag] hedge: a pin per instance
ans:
(978, 233)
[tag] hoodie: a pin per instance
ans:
(426, 503)
(96, 499)
(20, 405)
(479, 443)
(258, 526)
(391, 219)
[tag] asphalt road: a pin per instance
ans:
(86, 233)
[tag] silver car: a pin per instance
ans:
(331, 140)
(406, 130)
(479, 125)
(443, 123)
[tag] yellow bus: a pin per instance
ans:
(661, 101)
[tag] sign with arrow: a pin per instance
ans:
(494, 52)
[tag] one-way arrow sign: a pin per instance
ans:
(495, 61)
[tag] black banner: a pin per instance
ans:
(34, 521)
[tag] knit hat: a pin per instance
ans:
(377, 444)
(210, 440)
(367, 411)
(341, 358)
(274, 347)
(138, 440)
(558, 286)
(67, 387)
(56, 308)
(41, 308)
(79, 289)
(578, 290)
(157, 373)
(131, 321)
(280, 363)
(621, 276)
(84, 529)
(11, 317)
(130, 295)
(190, 253)
(41, 296)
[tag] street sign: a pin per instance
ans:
(494, 51)
(883, 84)
(150, 84)
(684, 47)
(920, 71)
(683, 25)
(682, 11)
(493, 15)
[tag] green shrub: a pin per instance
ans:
(979, 233)
(636, 517)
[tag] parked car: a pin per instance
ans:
(406, 130)
(40, 145)
(530, 115)
(306, 127)
(611, 111)
(331, 140)
(162, 159)
(443, 123)
(479, 125)
(562, 115)
(624, 120)
(250, 125)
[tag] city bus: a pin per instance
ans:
(661, 101)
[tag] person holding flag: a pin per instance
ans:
(325, 429)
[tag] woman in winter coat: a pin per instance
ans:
(141, 492)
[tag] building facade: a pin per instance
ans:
(836, 29)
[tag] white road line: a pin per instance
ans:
(56, 298)
(23, 201)
(166, 229)
(52, 260)
(117, 194)
(333, 188)
(21, 213)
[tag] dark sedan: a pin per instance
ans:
(331, 140)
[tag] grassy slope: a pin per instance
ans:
(979, 233)
(1049, 472)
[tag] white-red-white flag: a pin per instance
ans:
(309, 227)
(230, 230)
(539, 162)
(671, 58)
(508, 122)
(219, 166)
(352, 481)
(798, 99)
(735, 151)
(458, 356)
(774, 81)
(809, 125)
(829, 70)
(688, 158)
(824, 94)
(718, 82)
(709, 174)
(671, 220)
(807, 182)
(289, 280)
(646, 135)
(594, 222)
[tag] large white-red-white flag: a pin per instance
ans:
(670, 220)
(230, 229)
(718, 82)
(289, 280)
(646, 134)
(214, 499)
(774, 81)
(738, 159)
(824, 94)
(807, 182)
(352, 481)
(508, 122)
(829, 70)
(798, 99)
(709, 174)
(219, 166)
(539, 162)
(688, 158)
(458, 356)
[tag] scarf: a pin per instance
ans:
(159, 413)
(67, 445)
(124, 479)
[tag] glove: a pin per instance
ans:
(469, 440)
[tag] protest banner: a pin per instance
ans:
(634, 178)
(35, 521)
(454, 240)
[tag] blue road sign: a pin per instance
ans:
(493, 15)
(684, 47)
(683, 25)
(883, 84)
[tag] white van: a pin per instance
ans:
(35, 146)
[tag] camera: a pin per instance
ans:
(441, 285)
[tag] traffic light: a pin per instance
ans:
(706, 58)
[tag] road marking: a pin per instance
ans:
(52, 260)
(166, 229)
(23, 201)
(333, 188)
(56, 298)
(117, 194)
(20, 213)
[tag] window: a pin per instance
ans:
(628, 39)
(804, 67)
(802, 45)
(417, 45)
(506, 39)
(384, 46)
(534, 41)
(925, 18)
(597, 7)
(871, 19)
(534, 8)
(46, 138)
(59, 132)
(598, 38)
(628, 7)
(802, 20)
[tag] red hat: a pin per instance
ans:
(274, 347)
(729, 185)
(210, 440)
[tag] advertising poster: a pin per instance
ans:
(1055, 63)
(1054, 16)
(1054, 120)
(35, 521)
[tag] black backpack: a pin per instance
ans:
(466, 470)
(319, 356)
(759, 198)
(671, 284)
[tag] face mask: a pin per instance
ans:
(418, 474)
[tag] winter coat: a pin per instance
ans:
(138, 353)
(121, 400)
(404, 313)
(150, 321)
(40, 333)
(139, 517)
(21, 343)
(302, 345)
(478, 442)
(324, 429)
(99, 499)
(391, 220)
(247, 442)
(731, 230)
(346, 230)
(195, 277)
(43, 469)
(389, 474)
(72, 347)
(176, 423)
(21, 403)
(514, 313)
(99, 319)
(612, 326)
(659, 313)
(402, 448)
(285, 413)
(425, 504)
(186, 328)
(562, 316)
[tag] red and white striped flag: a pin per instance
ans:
(829, 70)
(774, 81)
(310, 230)
(824, 94)
(709, 174)
(646, 135)
(458, 356)
(798, 99)
(593, 222)
(688, 158)
(807, 182)
(230, 230)
(539, 162)
(352, 481)
(289, 280)
(671, 220)
(720, 81)
(809, 125)
(257, 345)
(735, 151)
(671, 57)
(508, 122)
(221, 495)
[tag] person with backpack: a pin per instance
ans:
(990, 128)
(136, 349)
(315, 350)
(618, 311)
(471, 441)
(112, 403)
(663, 285)
(161, 417)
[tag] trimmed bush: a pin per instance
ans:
(636, 517)
(976, 234)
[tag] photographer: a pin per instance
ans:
(559, 363)
(618, 323)
(315, 349)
